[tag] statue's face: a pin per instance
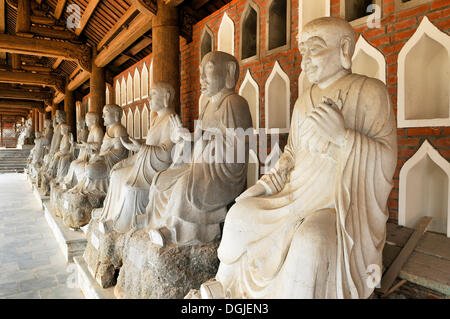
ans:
(320, 55)
(109, 117)
(156, 99)
(90, 121)
(80, 125)
(212, 77)
(64, 130)
(59, 117)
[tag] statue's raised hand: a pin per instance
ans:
(134, 146)
(254, 191)
(329, 120)
(178, 132)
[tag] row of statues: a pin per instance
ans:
(160, 225)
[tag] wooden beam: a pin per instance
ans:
(59, 9)
(2, 16)
(50, 80)
(36, 68)
(81, 78)
(59, 97)
(120, 23)
(395, 268)
(43, 20)
(140, 25)
(86, 16)
(57, 63)
(147, 7)
(197, 4)
(53, 33)
(15, 104)
(173, 3)
(21, 94)
(23, 22)
(40, 47)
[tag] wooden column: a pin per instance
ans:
(69, 108)
(166, 48)
(23, 17)
(97, 89)
(35, 120)
(41, 121)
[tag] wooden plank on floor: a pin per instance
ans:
(395, 268)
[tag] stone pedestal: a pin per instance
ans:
(71, 242)
(39, 194)
(87, 283)
(162, 273)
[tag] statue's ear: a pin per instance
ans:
(346, 54)
(230, 80)
(166, 99)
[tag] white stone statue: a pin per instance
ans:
(188, 201)
(76, 170)
(90, 192)
(131, 178)
(315, 226)
(82, 130)
(42, 145)
(26, 134)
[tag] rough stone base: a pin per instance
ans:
(87, 283)
(76, 208)
(103, 254)
(162, 273)
(72, 243)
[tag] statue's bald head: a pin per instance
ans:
(218, 70)
(327, 45)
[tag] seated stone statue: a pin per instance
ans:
(26, 135)
(76, 170)
(188, 201)
(127, 198)
(131, 178)
(82, 131)
(41, 148)
(315, 225)
(90, 192)
(59, 119)
(36, 155)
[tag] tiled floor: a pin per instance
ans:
(31, 264)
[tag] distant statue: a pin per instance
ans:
(82, 131)
(26, 135)
(188, 201)
(131, 178)
(36, 154)
(315, 225)
(76, 170)
(90, 192)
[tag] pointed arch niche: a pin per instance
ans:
(226, 35)
(249, 32)
(250, 91)
(424, 190)
(123, 92)
(277, 100)
(368, 61)
(107, 95)
(206, 43)
(123, 119)
(145, 118)
(252, 169)
(137, 124)
(312, 9)
(117, 91)
(144, 81)
(137, 85)
(129, 89)
(424, 78)
(130, 122)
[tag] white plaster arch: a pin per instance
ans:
(204, 49)
(424, 78)
(123, 120)
(424, 190)
(225, 41)
(130, 123)
(137, 85)
(278, 100)
(309, 10)
(117, 92)
(368, 61)
(129, 89)
(137, 124)
(144, 81)
(107, 96)
(249, 89)
(123, 92)
(252, 169)
(145, 119)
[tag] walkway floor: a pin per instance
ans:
(31, 264)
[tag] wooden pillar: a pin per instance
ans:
(69, 108)
(16, 61)
(41, 121)
(23, 17)
(35, 120)
(166, 49)
(97, 89)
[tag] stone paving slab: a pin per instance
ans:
(31, 263)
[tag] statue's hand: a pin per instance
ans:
(254, 191)
(329, 121)
(134, 146)
(178, 132)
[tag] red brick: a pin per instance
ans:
(413, 12)
(405, 24)
(408, 141)
(439, 4)
(443, 141)
(423, 131)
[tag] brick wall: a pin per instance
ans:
(396, 28)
